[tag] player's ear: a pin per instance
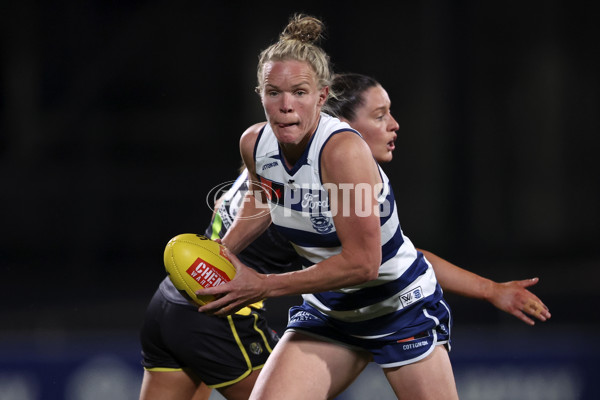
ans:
(323, 93)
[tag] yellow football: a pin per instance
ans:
(195, 262)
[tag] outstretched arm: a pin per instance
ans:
(512, 297)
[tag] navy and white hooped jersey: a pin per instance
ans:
(300, 210)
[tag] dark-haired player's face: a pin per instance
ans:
(292, 100)
(375, 122)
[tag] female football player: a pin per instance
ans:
(368, 293)
(183, 348)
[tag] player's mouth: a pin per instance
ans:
(282, 125)
(391, 146)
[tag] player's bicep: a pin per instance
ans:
(247, 144)
(352, 177)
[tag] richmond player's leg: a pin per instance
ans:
(172, 385)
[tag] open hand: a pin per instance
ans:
(514, 298)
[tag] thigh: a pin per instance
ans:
(172, 385)
(240, 390)
(302, 367)
(430, 378)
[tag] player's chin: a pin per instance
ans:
(288, 137)
(385, 157)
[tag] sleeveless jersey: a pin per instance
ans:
(300, 210)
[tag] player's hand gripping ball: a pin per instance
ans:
(195, 262)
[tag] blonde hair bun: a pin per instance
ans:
(303, 28)
(298, 42)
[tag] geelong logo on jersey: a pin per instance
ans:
(321, 223)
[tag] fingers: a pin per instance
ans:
(214, 307)
(223, 302)
(537, 309)
(532, 305)
(528, 282)
(220, 307)
(218, 293)
(523, 317)
(212, 291)
(233, 258)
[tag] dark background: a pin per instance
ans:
(118, 117)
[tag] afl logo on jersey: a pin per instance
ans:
(321, 223)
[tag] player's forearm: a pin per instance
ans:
(457, 280)
(252, 220)
(331, 274)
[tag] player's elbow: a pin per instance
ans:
(363, 259)
(367, 268)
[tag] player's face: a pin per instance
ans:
(376, 123)
(292, 100)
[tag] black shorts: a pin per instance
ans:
(219, 351)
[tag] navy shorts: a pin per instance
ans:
(393, 350)
(219, 351)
